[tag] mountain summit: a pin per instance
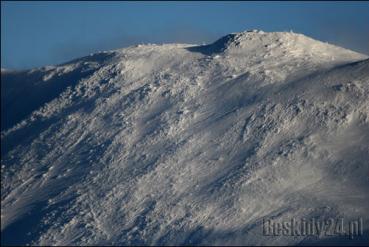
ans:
(186, 145)
(274, 43)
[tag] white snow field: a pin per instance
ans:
(179, 144)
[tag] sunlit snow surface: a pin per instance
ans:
(183, 144)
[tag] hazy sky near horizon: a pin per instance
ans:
(35, 34)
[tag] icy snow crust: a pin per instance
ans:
(183, 144)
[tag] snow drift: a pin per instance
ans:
(185, 144)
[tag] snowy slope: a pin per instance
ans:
(184, 144)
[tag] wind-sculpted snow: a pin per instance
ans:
(185, 145)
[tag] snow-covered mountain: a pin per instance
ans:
(185, 144)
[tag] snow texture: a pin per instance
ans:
(180, 144)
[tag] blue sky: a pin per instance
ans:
(43, 33)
